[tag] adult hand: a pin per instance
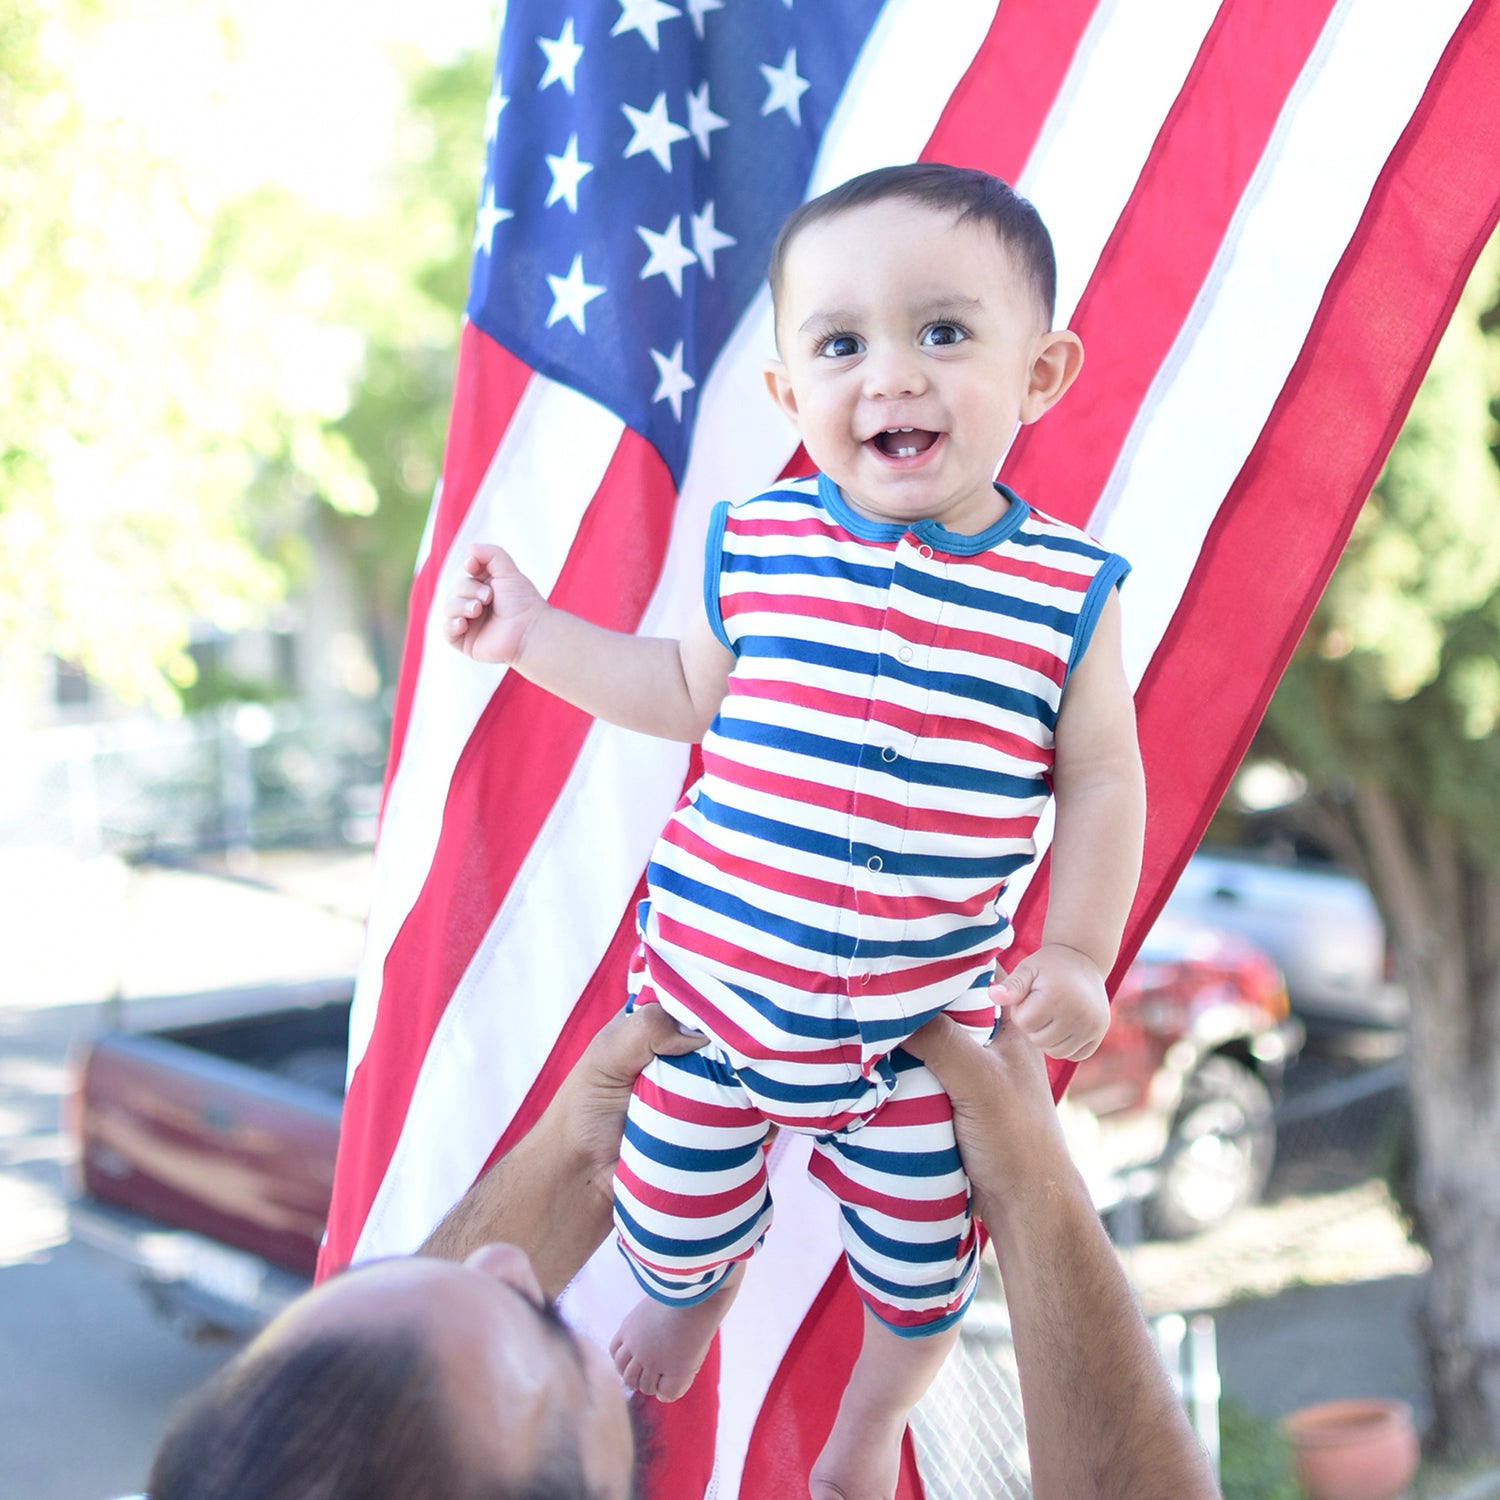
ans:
(1009, 1136)
(1102, 1418)
(551, 1193)
(595, 1093)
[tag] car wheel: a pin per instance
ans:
(1219, 1154)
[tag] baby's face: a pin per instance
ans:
(908, 344)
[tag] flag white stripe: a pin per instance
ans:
(906, 58)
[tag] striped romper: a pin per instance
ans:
(873, 778)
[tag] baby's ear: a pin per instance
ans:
(1055, 364)
(779, 383)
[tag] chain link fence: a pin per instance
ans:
(1337, 1125)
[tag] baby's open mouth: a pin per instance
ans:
(904, 442)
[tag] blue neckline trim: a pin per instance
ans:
(934, 533)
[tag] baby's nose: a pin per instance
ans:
(893, 372)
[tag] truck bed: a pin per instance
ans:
(206, 1146)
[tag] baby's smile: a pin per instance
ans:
(904, 442)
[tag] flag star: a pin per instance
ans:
(669, 256)
(785, 88)
(702, 121)
(675, 382)
(571, 294)
(707, 240)
(567, 173)
(562, 58)
(654, 132)
(496, 102)
(644, 16)
(697, 9)
(489, 219)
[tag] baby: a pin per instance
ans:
(898, 664)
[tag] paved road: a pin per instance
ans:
(87, 1373)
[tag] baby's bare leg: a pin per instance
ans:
(862, 1458)
(660, 1348)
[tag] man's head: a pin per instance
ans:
(408, 1379)
(913, 324)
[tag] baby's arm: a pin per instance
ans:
(661, 687)
(1058, 994)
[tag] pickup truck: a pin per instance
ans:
(206, 1133)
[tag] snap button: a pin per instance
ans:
(889, 753)
(875, 863)
(906, 653)
(864, 978)
(924, 550)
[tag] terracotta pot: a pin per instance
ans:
(1353, 1450)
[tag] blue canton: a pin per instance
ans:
(641, 157)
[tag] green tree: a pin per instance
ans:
(213, 366)
(1390, 710)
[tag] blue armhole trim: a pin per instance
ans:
(1112, 573)
(713, 563)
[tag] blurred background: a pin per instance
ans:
(233, 270)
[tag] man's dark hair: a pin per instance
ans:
(350, 1416)
(964, 191)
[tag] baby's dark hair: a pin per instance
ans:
(964, 191)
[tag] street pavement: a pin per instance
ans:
(88, 1373)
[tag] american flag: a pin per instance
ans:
(1264, 211)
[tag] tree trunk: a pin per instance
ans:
(1443, 911)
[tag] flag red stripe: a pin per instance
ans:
(488, 385)
(1000, 105)
(504, 783)
(1164, 244)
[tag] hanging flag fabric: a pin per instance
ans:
(1263, 210)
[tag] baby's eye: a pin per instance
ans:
(939, 335)
(840, 346)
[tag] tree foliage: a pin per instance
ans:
(1390, 711)
(210, 360)
(1398, 677)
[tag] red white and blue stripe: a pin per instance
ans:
(873, 777)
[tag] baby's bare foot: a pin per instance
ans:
(660, 1348)
(861, 1459)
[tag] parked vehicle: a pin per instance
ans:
(1317, 921)
(206, 1137)
(205, 1144)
